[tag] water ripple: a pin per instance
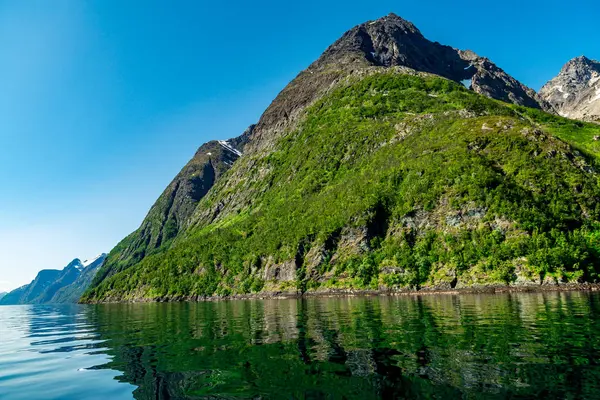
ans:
(490, 346)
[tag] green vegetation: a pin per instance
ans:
(577, 133)
(400, 181)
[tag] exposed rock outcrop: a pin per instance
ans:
(393, 41)
(575, 91)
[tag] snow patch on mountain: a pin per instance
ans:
(86, 263)
(229, 147)
(596, 97)
(575, 91)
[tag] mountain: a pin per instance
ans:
(71, 293)
(37, 290)
(393, 41)
(169, 214)
(575, 91)
(377, 167)
(57, 286)
(2, 294)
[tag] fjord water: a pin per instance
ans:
(438, 346)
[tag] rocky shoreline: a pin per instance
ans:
(486, 289)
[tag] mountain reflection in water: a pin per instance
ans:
(441, 346)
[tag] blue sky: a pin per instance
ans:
(102, 102)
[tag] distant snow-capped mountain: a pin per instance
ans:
(91, 261)
(57, 286)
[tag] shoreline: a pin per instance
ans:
(329, 293)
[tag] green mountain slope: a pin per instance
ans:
(393, 179)
(387, 42)
(169, 215)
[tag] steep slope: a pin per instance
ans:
(2, 294)
(14, 296)
(169, 215)
(56, 286)
(575, 91)
(72, 292)
(29, 293)
(64, 278)
(393, 41)
(393, 179)
(375, 45)
(385, 43)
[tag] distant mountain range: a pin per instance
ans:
(56, 286)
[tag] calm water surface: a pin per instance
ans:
(477, 346)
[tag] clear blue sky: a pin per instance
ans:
(102, 102)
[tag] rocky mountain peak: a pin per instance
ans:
(394, 23)
(390, 41)
(393, 41)
(575, 91)
(76, 263)
(580, 64)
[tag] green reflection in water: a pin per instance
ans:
(442, 346)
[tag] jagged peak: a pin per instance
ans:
(390, 25)
(575, 91)
(394, 20)
(76, 263)
(581, 63)
(585, 60)
(392, 41)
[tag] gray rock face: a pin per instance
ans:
(575, 91)
(393, 41)
(387, 42)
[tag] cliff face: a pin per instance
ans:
(575, 91)
(170, 213)
(362, 173)
(392, 41)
